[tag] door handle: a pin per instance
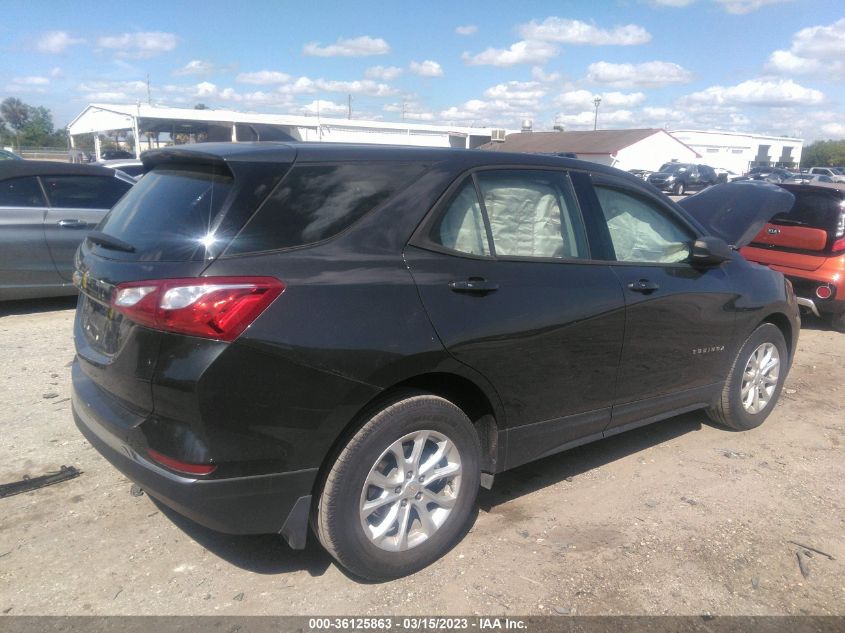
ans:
(643, 285)
(72, 224)
(473, 284)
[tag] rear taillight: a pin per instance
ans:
(839, 236)
(219, 308)
(180, 466)
(824, 292)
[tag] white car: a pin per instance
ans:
(827, 171)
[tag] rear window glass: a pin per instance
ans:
(172, 214)
(814, 209)
(316, 202)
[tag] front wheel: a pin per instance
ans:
(754, 382)
(680, 189)
(402, 491)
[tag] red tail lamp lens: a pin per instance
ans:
(180, 466)
(218, 308)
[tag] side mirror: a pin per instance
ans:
(710, 251)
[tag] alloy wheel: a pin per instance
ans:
(760, 378)
(410, 491)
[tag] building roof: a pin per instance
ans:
(587, 142)
(98, 117)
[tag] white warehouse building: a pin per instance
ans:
(146, 122)
(740, 152)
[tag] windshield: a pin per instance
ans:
(673, 168)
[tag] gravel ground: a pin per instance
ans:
(677, 518)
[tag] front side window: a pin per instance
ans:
(640, 232)
(21, 192)
(533, 214)
(84, 192)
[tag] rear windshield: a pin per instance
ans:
(172, 213)
(316, 202)
(817, 210)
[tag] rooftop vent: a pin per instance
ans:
(527, 125)
(497, 136)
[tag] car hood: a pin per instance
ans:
(737, 211)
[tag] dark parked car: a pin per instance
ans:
(7, 155)
(271, 336)
(46, 208)
(114, 154)
(770, 174)
(681, 178)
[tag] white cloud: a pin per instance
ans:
(522, 52)
(427, 68)
(538, 74)
(521, 94)
(758, 92)
(606, 119)
(321, 106)
(112, 91)
(206, 89)
(739, 7)
(469, 29)
(648, 74)
(139, 45)
(383, 73)
(354, 47)
(834, 130)
(194, 67)
(410, 111)
(56, 72)
(56, 42)
(565, 31)
(363, 86)
(671, 3)
(32, 80)
(583, 99)
(816, 50)
(263, 77)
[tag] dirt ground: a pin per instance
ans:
(677, 518)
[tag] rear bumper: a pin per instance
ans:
(275, 503)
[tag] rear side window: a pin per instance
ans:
(172, 214)
(84, 192)
(21, 192)
(461, 228)
(316, 202)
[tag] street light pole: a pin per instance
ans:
(597, 103)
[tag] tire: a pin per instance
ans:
(680, 189)
(732, 409)
(367, 541)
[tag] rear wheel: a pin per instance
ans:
(680, 189)
(754, 382)
(402, 490)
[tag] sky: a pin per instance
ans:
(763, 66)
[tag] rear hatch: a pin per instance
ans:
(170, 226)
(810, 231)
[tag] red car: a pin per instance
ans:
(807, 244)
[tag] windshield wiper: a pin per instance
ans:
(113, 243)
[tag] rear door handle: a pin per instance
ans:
(476, 285)
(72, 224)
(643, 285)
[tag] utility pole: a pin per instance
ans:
(149, 95)
(403, 109)
(349, 106)
(597, 103)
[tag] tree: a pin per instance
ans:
(823, 154)
(16, 115)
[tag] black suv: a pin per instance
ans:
(275, 335)
(680, 178)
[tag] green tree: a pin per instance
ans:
(823, 154)
(16, 115)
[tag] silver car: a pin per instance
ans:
(46, 210)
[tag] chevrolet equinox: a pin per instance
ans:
(275, 337)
